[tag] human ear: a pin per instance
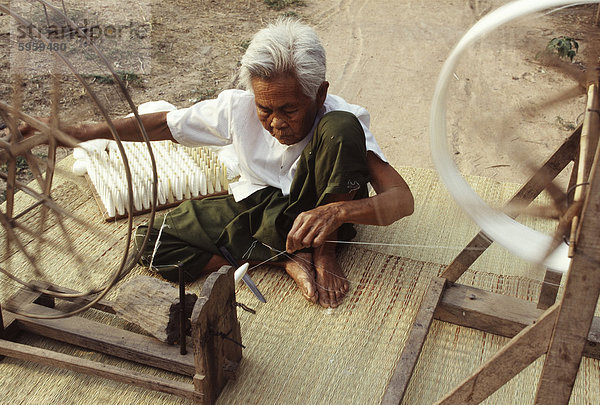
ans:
(322, 93)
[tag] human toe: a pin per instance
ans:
(310, 294)
(324, 299)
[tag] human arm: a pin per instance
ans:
(393, 201)
(127, 129)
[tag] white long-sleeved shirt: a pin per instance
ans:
(231, 118)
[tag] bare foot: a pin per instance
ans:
(332, 284)
(301, 270)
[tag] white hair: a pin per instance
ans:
(285, 47)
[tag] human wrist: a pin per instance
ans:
(341, 213)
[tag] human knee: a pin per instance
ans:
(340, 129)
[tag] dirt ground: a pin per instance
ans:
(383, 55)
(387, 55)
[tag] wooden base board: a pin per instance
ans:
(107, 339)
(51, 358)
(211, 360)
(498, 314)
(474, 308)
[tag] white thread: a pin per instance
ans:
(157, 243)
(250, 249)
(268, 260)
(405, 245)
(289, 256)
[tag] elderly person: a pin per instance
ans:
(305, 160)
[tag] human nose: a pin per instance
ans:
(278, 123)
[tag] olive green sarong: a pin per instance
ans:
(333, 162)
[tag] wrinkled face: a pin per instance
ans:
(284, 110)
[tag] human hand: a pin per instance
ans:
(43, 126)
(28, 130)
(311, 228)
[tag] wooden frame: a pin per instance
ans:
(213, 359)
(564, 331)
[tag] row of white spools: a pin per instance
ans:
(183, 173)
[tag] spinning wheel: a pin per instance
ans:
(26, 219)
(498, 226)
(46, 220)
(563, 331)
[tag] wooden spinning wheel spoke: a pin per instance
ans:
(10, 187)
(47, 204)
(36, 124)
(11, 237)
(561, 206)
(68, 240)
(33, 132)
(66, 245)
(548, 212)
(583, 73)
(7, 151)
(36, 169)
(44, 199)
(52, 142)
(35, 234)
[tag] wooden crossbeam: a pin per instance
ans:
(107, 339)
(514, 357)
(80, 365)
(526, 194)
(498, 314)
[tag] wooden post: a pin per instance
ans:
(578, 303)
(414, 344)
(549, 289)
(587, 149)
(573, 180)
(216, 334)
(2, 333)
(182, 315)
(1, 324)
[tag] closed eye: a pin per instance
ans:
(263, 110)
